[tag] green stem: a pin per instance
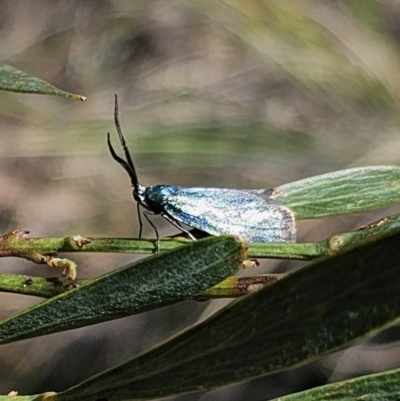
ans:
(232, 287)
(43, 250)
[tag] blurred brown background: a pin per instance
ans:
(236, 94)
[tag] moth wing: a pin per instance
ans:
(232, 212)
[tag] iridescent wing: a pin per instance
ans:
(227, 211)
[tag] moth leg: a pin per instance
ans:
(146, 214)
(178, 226)
(140, 221)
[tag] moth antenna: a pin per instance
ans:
(126, 164)
(121, 161)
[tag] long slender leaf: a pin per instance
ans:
(383, 386)
(23, 397)
(345, 191)
(319, 309)
(150, 283)
(15, 80)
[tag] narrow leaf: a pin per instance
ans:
(40, 397)
(322, 308)
(150, 283)
(383, 386)
(345, 191)
(14, 80)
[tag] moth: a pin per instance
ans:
(249, 214)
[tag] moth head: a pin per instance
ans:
(139, 193)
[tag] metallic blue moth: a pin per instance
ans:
(249, 214)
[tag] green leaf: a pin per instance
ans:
(345, 191)
(322, 308)
(40, 397)
(150, 283)
(14, 80)
(383, 386)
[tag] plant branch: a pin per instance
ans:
(43, 250)
(232, 287)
